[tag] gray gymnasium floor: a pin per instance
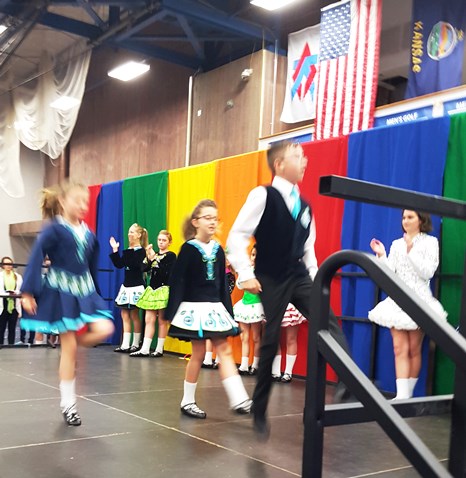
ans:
(132, 426)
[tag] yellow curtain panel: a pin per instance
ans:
(186, 187)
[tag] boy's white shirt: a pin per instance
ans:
(246, 223)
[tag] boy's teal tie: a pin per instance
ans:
(296, 203)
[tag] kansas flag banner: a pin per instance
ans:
(437, 46)
(348, 67)
(303, 52)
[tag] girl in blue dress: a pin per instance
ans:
(66, 300)
(199, 308)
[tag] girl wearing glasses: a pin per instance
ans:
(199, 308)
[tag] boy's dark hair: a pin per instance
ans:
(276, 151)
(424, 219)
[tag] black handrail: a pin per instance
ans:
(323, 347)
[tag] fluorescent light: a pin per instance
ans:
(65, 103)
(128, 71)
(3, 28)
(271, 4)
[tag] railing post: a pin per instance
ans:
(457, 459)
(314, 406)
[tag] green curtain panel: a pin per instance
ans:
(453, 245)
(145, 202)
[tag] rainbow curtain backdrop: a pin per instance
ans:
(427, 156)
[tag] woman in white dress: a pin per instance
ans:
(414, 258)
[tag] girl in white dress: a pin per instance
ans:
(414, 258)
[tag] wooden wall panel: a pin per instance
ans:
(221, 131)
(139, 127)
(133, 128)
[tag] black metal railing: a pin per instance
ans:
(324, 348)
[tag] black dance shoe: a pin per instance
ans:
(244, 408)
(122, 350)
(276, 378)
(193, 411)
(287, 378)
(71, 416)
(253, 370)
(138, 353)
(243, 372)
(207, 365)
(157, 354)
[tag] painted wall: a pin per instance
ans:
(14, 210)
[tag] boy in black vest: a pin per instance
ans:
(284, 229)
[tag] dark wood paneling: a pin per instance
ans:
(220, 130)
(133, 128)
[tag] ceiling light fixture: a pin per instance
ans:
(3, 28)
(65, 103)
(271, 4)
(129, 71)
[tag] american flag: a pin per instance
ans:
(348, 67)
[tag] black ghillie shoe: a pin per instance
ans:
(193, 411)
(71, 416)
(244, 408)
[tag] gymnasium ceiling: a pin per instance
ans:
(198, 34)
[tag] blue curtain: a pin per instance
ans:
(110, 223)
(410, 156)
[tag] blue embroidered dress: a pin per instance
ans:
(66, 298)
(199, 305)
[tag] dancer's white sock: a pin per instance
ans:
(208, 358)
(136, 339)
(255, 362)
(189, 393)
(402, 388)
(160, 344)
(290, 361)
(235, 390)
(244, 364)
(145, 349)
(412, 385)
(276, 365)
(67, 393)
(125, 343)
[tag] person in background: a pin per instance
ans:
(132, 260)
(414, 258)
(10, 307)
(249, 313)
(155, 298)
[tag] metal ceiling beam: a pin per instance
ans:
(221, 20)
(116, 3)
(195, 43)
(158, 53)
(179, 38)
(141, 25)
(92, 14)
(57, 22)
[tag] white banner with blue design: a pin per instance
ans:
(303, 56)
